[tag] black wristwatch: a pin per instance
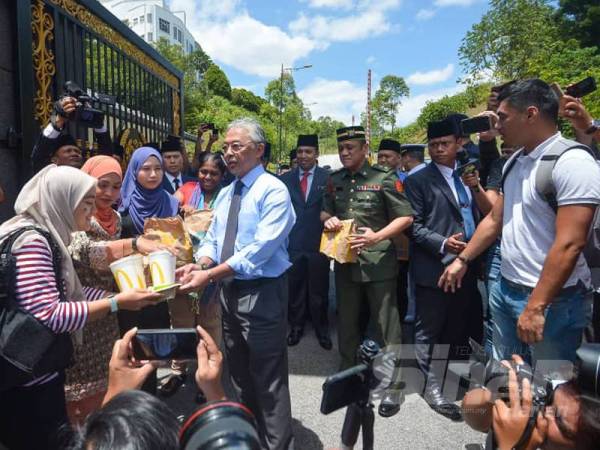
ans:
(595, 125)
(134, 246)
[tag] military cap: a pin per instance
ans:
(389, 144)
(308, 140)
(350, 133)
(446, 127)
(405, 148)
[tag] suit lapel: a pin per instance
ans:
(295, 185)
(443, 185)
(316, 181)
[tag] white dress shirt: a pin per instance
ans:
(171, 179)
(447, 174)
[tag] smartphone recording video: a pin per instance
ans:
(476, 124)
(165, 344)
(582, 88)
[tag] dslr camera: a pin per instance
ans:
(85, 114)
(495, 375)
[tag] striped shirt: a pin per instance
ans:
(37, 293)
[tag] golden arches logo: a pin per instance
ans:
(161, 275)
(122, 275)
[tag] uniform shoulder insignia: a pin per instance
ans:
(381, 168)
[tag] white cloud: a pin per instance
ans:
(410, 108)
(330, 3)
(339, 99)
(431, 77)
(230, 35)
(425, 14)
(369, 18)
(371, 59)
(442, 3)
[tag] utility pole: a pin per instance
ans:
(368, 133)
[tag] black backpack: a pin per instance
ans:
(28, 348)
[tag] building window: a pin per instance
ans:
(135, 21)
(164, 25)
(126, 22)
(149, 17)
(149, 37)
(174, 32)
(142, 19)
(180, 36)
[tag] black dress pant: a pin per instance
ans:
(254, 334)
(34, 417)
(309, 291)
(147, 318)
(443, 325)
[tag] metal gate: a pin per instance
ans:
(81, 41)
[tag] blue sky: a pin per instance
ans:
(342, 39)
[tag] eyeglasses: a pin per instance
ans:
(443, 144)
(236, 147)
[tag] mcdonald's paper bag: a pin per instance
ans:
(197, 223)
(336, 245)
(171, 231)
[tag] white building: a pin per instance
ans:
(152, 20)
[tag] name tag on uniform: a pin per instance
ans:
(369, 187)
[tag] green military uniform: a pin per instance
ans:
(373, 197)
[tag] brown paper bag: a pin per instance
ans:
(171, 231)
(336, 245)
(198, 222)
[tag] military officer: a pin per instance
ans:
(372, 196)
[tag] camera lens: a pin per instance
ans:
(220, 426)
(588, 369)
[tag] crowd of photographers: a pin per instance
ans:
(477, 245)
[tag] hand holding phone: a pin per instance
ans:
(124, 372)
(165, 344)
(582, 88)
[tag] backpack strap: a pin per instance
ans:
(543, 177)
(8, 266)
(508, 166)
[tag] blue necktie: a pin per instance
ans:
(465, 206)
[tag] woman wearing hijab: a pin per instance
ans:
(92, 252)
(142, 197)
(58, 201)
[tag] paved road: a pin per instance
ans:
(416, 426)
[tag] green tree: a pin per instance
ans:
(507, 37)
(216, 82)
(580, 19)
(388, 98)
(246, 99)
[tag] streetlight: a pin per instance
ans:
(288, 69)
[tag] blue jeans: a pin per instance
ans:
(493, 263)
(566, 319)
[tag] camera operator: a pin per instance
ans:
(542, 303)
(55, 144)
(130, 418)
(568, 421)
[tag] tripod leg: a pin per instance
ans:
(351, 426)
(368, 423)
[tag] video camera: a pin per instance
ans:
(495, 375)
(85, 114)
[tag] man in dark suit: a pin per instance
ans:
(445, 217)
(309, 274)
(172, 153)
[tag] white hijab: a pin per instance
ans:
(49, 201)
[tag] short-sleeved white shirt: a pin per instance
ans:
(529, 228)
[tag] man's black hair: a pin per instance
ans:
(133, 420)
(533, 92)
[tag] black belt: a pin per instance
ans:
(254, 283)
